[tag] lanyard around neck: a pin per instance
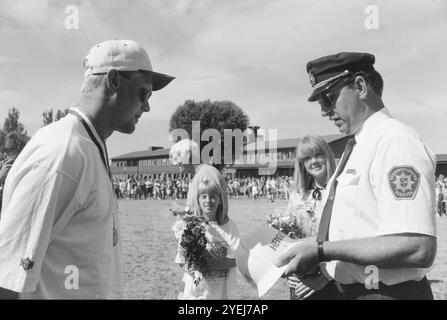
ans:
(96, 139)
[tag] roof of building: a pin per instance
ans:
(280, 144)
(292, 142)
(441, 157)
(143, 154)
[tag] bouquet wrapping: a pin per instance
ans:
(298, 222)
(196, 244)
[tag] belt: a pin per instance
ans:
(358, 289)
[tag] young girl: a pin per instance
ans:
(208, 197)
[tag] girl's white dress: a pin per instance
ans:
(218, 285)
(304, 206)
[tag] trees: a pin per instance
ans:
(217, 115)
(49, 118)
(13, 136)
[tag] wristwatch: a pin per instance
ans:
(321, 255)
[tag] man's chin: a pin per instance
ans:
(126, 130)
(343, 130)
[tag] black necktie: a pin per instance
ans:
(323, 228)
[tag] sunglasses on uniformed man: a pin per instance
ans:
(329, 97)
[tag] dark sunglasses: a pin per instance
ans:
(329, 97)
(145, 94)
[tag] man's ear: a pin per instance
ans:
(113, 80)
(361, 86)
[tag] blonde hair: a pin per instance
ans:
(92, 82)
(309, 146)
(209, 180)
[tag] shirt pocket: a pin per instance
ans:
(349, 179)
(348, 193)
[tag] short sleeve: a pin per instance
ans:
(232, 238)
(36, 200)
(403, 182)
(296, 199)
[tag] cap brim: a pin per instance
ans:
(158, 80)
(320, 90)
(314, 96)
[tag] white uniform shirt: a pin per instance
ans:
(387, 187)
(56, 230)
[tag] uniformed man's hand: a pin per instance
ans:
(301, 259)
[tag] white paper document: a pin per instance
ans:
(258, 252)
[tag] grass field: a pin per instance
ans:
(149, 248)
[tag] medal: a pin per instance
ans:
(115, 237)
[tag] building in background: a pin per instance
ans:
(154, 162)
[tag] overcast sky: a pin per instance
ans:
(252, 52)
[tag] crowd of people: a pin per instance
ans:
(441, 195)
(167, 188)
(151, 188)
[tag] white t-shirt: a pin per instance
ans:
(387, 187)
(59, 211)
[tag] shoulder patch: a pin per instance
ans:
(404, 182)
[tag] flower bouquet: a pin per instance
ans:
(297, 222)
(197, 245)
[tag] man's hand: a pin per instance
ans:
(301, 259)
(305, 287)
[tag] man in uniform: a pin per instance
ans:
(59, 232)
(377, 234)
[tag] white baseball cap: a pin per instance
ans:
(123, 55)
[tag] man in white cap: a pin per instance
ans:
(59, 232)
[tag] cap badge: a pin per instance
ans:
(312, 79)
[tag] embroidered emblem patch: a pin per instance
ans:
(27, 264)
(404, 182)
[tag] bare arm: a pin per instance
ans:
(392, 251)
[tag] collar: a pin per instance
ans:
(370, 124)
(93, 133)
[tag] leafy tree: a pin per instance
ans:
(48, 116)
(13, 136)
(217, 115)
